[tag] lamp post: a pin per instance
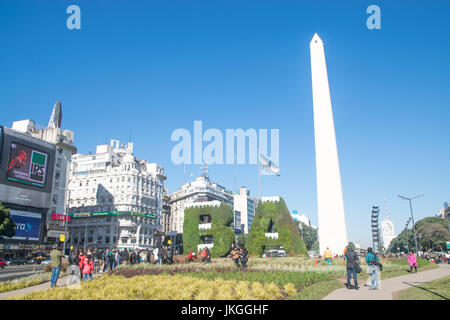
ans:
(412, 217)
(406, 234)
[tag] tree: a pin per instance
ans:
(309, 235)
(433, 234)
(7, 225)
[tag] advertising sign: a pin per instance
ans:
(27, 165)
(60, 217)
(27, 224)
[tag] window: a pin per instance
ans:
(107, 239)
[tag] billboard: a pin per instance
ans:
(28, 224)
(26, 169)
(27, 165)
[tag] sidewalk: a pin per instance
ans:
(62, 282)
(389, 286)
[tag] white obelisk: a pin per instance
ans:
(332, 227)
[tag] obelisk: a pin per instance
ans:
(330, 202)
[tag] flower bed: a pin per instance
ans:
(165, 287)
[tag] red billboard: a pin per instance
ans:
(60, 217)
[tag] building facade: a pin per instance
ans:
(64, 141)
(116, 200)
(199, 190)
(244, 207)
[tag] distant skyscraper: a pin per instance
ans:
(56, 117)
(387, 230)
(332, 227)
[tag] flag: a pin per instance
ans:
(269, 168)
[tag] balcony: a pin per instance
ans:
(272, 235)
(204, 226)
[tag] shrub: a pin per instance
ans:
(223, 235)
(288, 233)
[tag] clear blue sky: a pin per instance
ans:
(154, 66)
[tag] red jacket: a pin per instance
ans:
(82, 258)
(88, 266)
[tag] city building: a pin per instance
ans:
(199, 190)
(303, 218)
(64, 141)
(26, 183)
(116, 199)
(387, 231)
(166, 218)
(244, 208)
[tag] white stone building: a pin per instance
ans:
(246, 206)
(387, 231)
(63, 139)
(116, 200)
(199, 190)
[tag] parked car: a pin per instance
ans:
(19, 261)
(3, 263)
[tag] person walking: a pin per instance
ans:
(374, 270)
(55, 258)
(73, 270)
(243, 257)
(156, 255)
(96, 255)
(412, 261)
(327, 255)
(352, 265)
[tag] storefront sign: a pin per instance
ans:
(60, 217)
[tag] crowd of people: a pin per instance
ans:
(82, 265)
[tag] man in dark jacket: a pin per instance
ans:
(243, 256)
(73, 269)
(352, 265)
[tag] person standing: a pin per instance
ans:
(352, 265)
(73, 270)
(235, 256)
(374, 271)
(243, 257)
(88, 267)
(81, 257)
(327, 255)
(412, 261)
(55, 258)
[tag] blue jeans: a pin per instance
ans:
(86, 275)
(55, 275)
(374, 272)
(350, 273)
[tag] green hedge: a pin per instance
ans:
(288, 233)
(223, 234)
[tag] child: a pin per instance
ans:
(88, 267)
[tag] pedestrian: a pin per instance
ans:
(55, 258)
(155, 255)
(374, 270)
(352, 265)
(235, 254)
(243, 257)
(327, 255)
(81, 257)
(105, 260)
(88, 268)
(412, 261)
(208, 255)
(191, 256)
(73, 269)
(203, 255)
(96, 260)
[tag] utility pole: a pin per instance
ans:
(412, 217)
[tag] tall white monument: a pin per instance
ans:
(332, 227)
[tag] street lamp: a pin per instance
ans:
(412, 217)
(406, 234)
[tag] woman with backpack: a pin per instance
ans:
(88, 268)
(374, 270)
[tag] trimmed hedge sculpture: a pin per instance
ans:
(221, 231)
(276, 214)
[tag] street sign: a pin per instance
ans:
(169, 241)
(62, 237)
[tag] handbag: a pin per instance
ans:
(358, 268)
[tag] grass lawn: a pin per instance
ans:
(318, 290)
(434, 290)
